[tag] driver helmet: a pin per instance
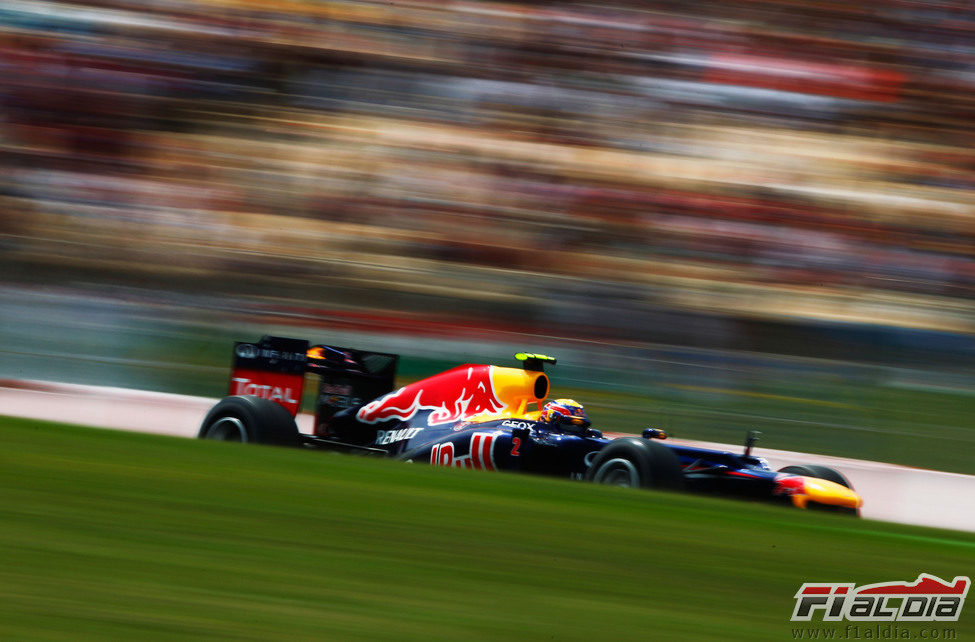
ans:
(565, 412)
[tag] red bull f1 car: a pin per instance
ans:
(483, 417)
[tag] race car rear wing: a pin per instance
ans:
(274, 368)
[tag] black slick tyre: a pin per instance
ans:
(819, 472)
(827, 473)
(250, 419)
(636, 463)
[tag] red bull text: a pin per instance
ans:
(479, 457)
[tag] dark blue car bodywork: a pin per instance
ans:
(482, 417)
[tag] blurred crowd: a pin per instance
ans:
(598, 165)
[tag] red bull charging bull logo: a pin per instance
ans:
(452, 396)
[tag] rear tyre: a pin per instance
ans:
(251, 420)
(829, 474)
(636, 463)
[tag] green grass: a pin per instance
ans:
(110, 535)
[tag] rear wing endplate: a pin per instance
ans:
(274, 368)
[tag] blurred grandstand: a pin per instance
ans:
(734, 175)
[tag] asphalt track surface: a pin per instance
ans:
(891, 493)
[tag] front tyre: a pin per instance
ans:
(829, 474)
(250, 419)
(636, 463)
(819, 472)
